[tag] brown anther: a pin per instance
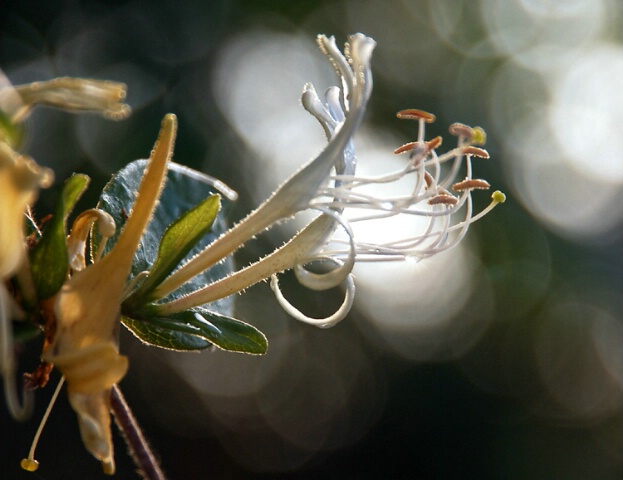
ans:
(443, 199)
(434, 143)
(477, 152)
(461, 130)
(429, 146)
(471, 184)
(407, 147)
(414, 114)
(428, 178)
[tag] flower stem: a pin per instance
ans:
(140, 450)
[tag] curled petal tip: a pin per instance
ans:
(169, 118)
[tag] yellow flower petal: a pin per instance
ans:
(20, 179)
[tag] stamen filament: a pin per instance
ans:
(30, 464)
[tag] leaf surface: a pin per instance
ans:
(186, 220)
(50, 258)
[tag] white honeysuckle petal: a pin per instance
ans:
(343, 195)
(312, 103)
(332, 97)
(334, 277)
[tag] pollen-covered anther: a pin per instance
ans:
(443, 199)
(475, 151)
(407, 147)
(498, 197)
(428, 146)
(428, 178)
(434, 143)
(415, 114)
(471, 184)
(462, 130)
(480, 136)
(29, 464)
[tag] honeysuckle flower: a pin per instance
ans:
(339, 194)
(85, 345)
(345, 109)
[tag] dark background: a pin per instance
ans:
(534, 394)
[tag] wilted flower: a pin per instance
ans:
(77, 94)
(20, 180)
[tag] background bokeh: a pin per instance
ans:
(500, 359)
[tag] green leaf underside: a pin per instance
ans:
(187, 195)
(183, 190)
(179, 238)
(50, 258)
(196, 329)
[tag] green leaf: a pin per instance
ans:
(178, 239)
(187, 196)
(189, 330)
(50, 258)
(163, 335)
